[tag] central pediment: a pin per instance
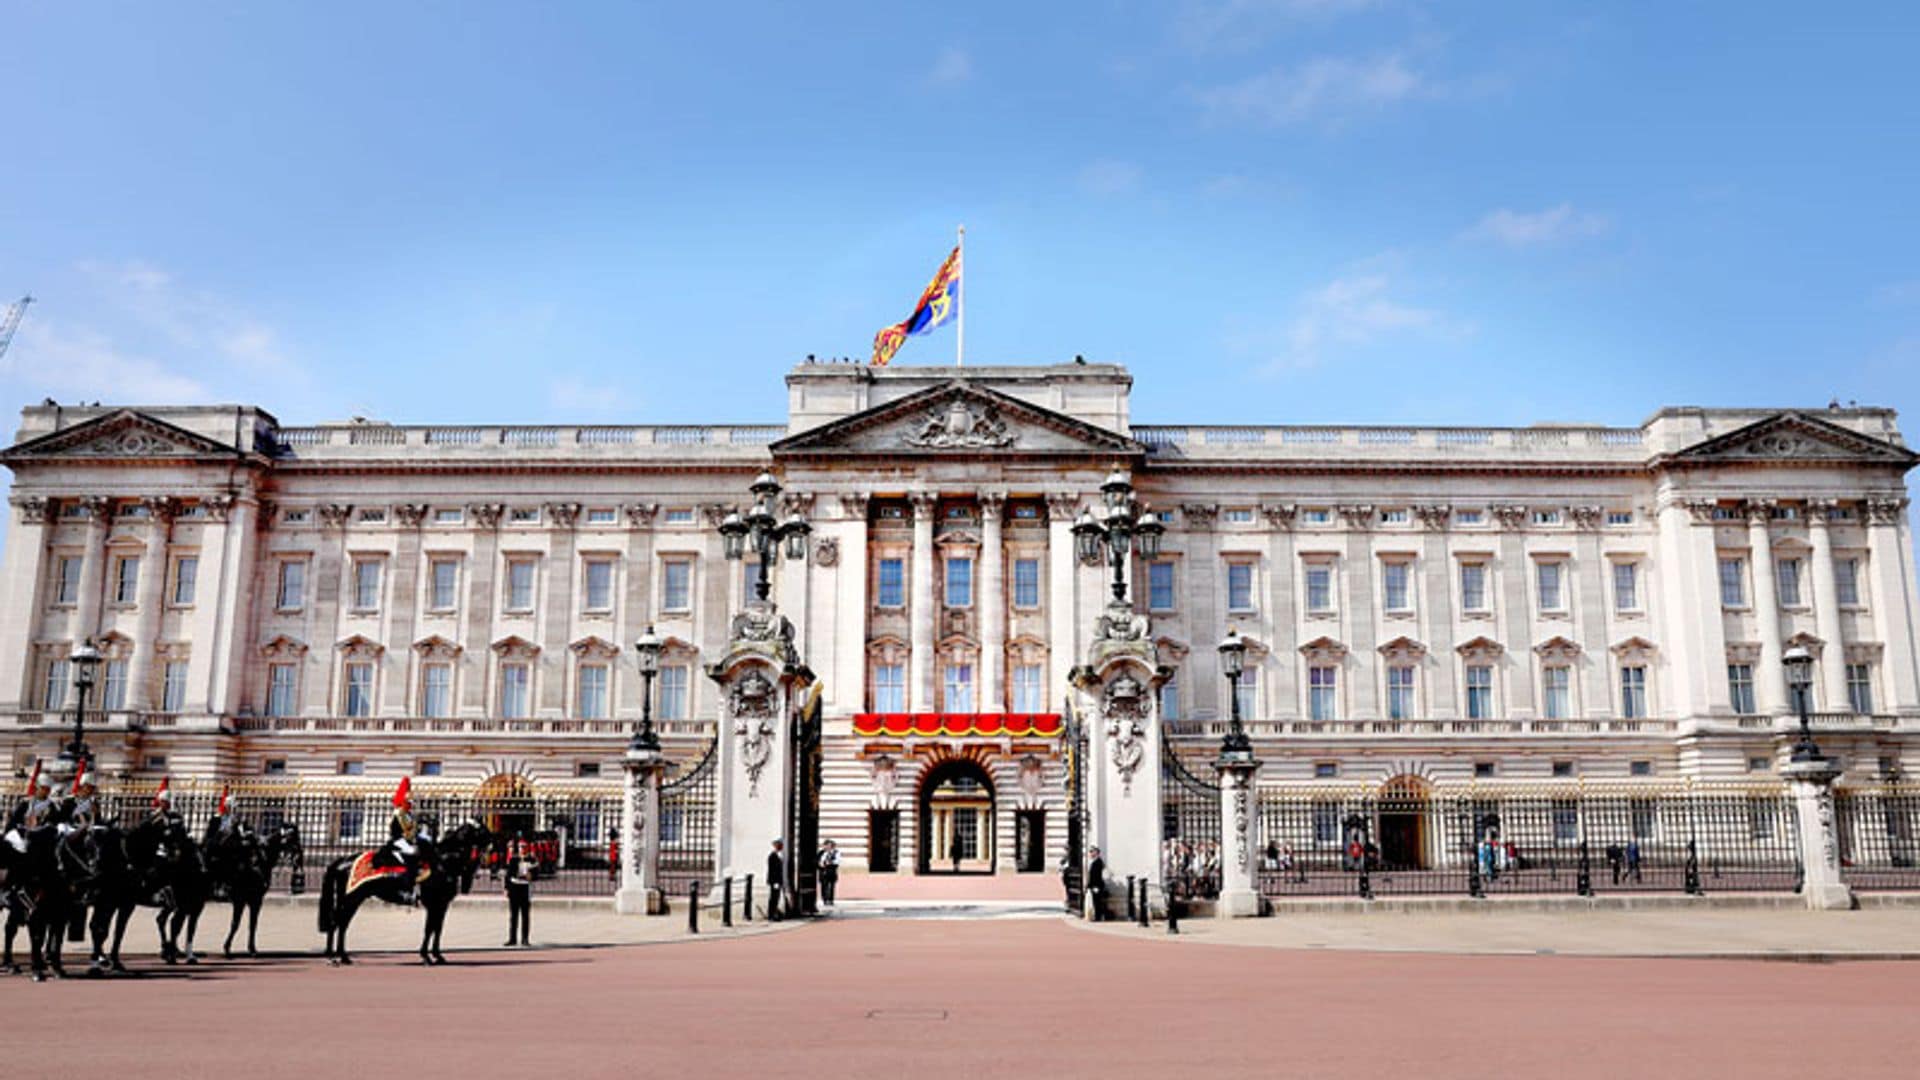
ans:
(1792, 438)
(957, 418)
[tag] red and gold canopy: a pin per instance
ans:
(957, 725)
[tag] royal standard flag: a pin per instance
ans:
(939, 302)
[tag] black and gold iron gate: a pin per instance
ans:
(1189, 830)
(1073, 873)
(689, 824)
(803, 814)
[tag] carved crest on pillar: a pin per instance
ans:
(962, 424)
(885, 776)
(1032, 777)
(1062, 505)
(1357, 516)
(1126, 706)
(219, 507)
(1280, 515)
(487, 515)
(826, 551)
(1119, 623)
(1886, 511)
(334, 515)
(1511, 518)
(33, 508)
(1433, 517)
(1200, 516)
(750, 702)
(1587, 518)
(640, 515)
(410, 515)
(563, 515)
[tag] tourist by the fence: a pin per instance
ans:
(829, 870)
(519, 891)
(1097, 885)
(1614, 857)
(1633, 859)
(776, 874)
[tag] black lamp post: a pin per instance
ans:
(762, 529)
(85, 660)
(1126, 526)
(1235, 746)
(1799, 665)
(646, 650)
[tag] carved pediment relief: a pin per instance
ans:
(1558, 649)
(1743, 652)
(435, 647)
(118, 435)
(1792, 437)
(958, 417)
(1403, 648)
(360, 646)
(1634, 648)
(1480, 648)
(283, 647)
(515, 647)
(1324, 650)
(594, 647)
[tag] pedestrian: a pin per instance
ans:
(829, 871)
(1633, 859)
(1613, 861)
(519, 892)
(1097, 885)
(776, 874)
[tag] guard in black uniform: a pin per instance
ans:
(776, 875)
(519, 892)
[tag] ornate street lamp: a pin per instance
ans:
(1235, 746)
(1124, 527)
(646, 651)
(762, 530)
(1799, 664)
(85, 660)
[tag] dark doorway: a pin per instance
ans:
(956, 819)
(883, 841)
(1030, 841)
(1403, 815)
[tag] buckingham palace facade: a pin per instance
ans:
(1454, 604)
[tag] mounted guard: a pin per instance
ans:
(85, 812)
(28, 812)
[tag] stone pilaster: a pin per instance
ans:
(93, 567)
(1896, 606)
(478, 606)
(992, 600)
(1117, 696)
(558, 610)
(1810, 784)
(762, 684)
(23, 591)
(1769, 676)
(1826, 606)
(403, 592)
(143, 688)
(639, 891)
(920, 669)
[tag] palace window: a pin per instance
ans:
(443, 578)
(1318, 515)
(515, 683)
(520, 585)
(126, 579)
(114, 687)
(680, 515)
(1550, 577)
(524, 515)
(1566, 820)
(889, 688)
(282, 683)
(1319, 588)
(1633, 691)
(1239, 515)
(602, 515)
(1473, 587)
(586, 770)
(186, 579)
(449, 515)
(1400, 692)
(1326, 820)
(1323, 692)
(1026, 583)
(173, 686)
(1247, 690)
(436, 690)
(599, 585)
(1027, 696)
(359, 696)
(1546, 517)
(1626, 586)
(353, 767)
(373, 517)
(429, 767)
(1562, 769)
(1397, 583)
(1733, 583)
(1740, 688)
(1160, 586)
(274, 767)
(1846, 582)
(1860, 688)
(1557, 680)
(1787, 572)
(1759, 764)
(1483, 769)
(1479, 692)
(1326, 770)
(1401, 516)
(959, 581)
(1170, 699)
(1619, 517)
(891, 591)
(590, 699)
(959, 688)
(366, 584)
(673, 692)
(1469, 517)
(53, 695)
(292, 595)
(1240, 586)
(676, 585)
(66, 589)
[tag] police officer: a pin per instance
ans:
(519, 891)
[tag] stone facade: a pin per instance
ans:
(1443, 603)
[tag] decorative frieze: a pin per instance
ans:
(1358, 516)
(564, 515)
(1587, 518)
(1886, 511)
(487, 515)
(1200, 517)
(1280, 516)
(640, 515)
(334, 515)
(33, 508)
(410, 515)
(1434, 517)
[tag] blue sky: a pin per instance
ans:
(1271, 210)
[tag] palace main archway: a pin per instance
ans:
(957, 819)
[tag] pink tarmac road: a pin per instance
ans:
(923, 998)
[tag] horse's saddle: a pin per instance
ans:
(368, 868)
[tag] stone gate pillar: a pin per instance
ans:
(1810, 783)
(1117, 697)
(762, 685)
(1240, 835)
(640, 834)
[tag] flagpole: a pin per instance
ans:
(960, 331)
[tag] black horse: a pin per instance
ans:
(155, 864)
(242, 863)
(40, 894)
(445, 865)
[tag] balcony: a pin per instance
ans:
(1637, 727)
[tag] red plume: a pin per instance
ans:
(34, 780)
(160, 795)
(79, 774)
(225, 790)
(403, 794)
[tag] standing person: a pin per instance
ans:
(1613, 861)
(829, 871)
(1097, 885)
(776, 876)
(1633, 859)
(519, 892)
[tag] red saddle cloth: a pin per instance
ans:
(364, 871)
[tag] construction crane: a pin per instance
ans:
(15, 312)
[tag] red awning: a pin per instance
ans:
(957, 725)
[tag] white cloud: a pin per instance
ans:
(574, 394)
(1329, 89)
(952, 67)
(1524, 229)
(1353, 311)
(1110, 177)
(49, 360)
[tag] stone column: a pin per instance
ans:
(1124, 733)
(1283, 686)
(27, 574)
(93, 567)
(320, 679)
(478, 607)
(143, 691)
(1437, 577)
(1203, 600)
(1810, 783)
(558, 611)
(992, 600)
(920, 673)
(1360, 611)
(1769, 677)
(403, 591)
(1891, 571)
(1826, 606)
(1240, 836)
(762, 683)
(640, 835)
(1517, 584)
(636, 601)
(1062, 570)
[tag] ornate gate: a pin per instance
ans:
(1189, 830)
(1073, 874)
(688, 824)
(803, 815)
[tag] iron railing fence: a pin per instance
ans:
(689, 824)
(1879, 836)
(1479, 843)
(1190, 833)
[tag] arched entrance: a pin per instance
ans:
(956, 819)
(504, 803)
(1403, 822)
